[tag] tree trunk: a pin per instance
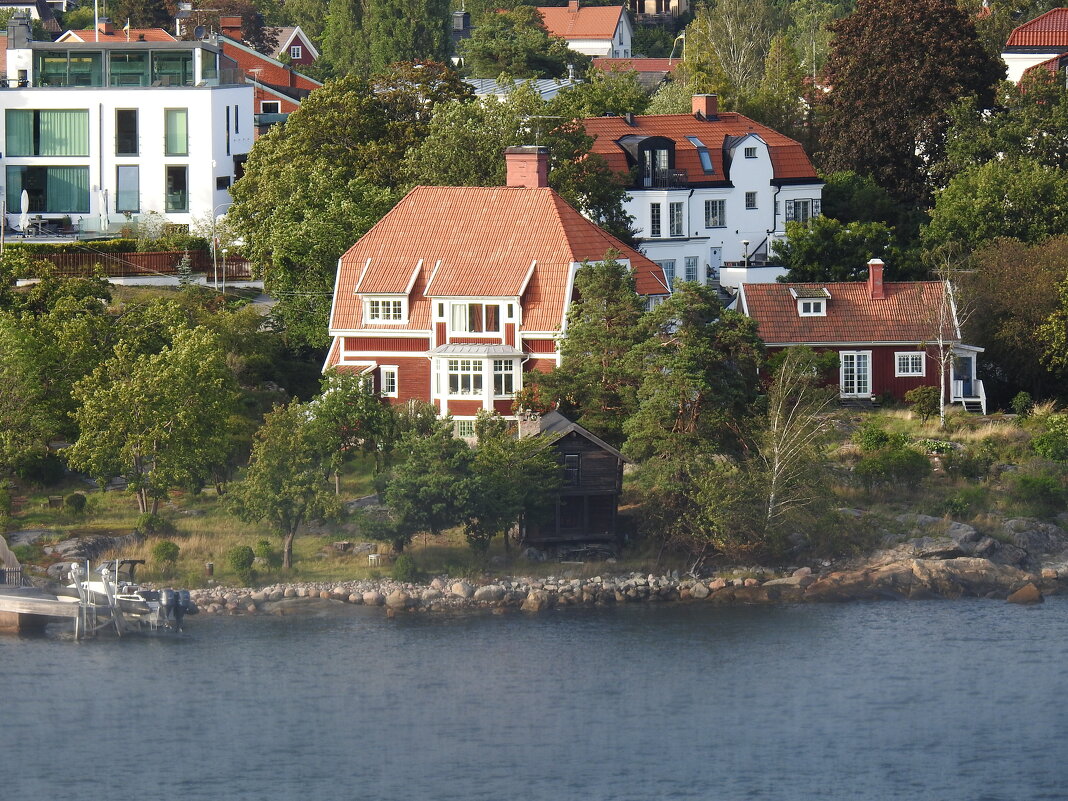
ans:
(287, 549)
(142, 501)
(337, 483)
(155, 505)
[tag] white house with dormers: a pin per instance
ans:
(106, 131)
(710, 192)
(604, 31)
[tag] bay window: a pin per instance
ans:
(465, 376)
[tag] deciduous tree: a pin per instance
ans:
(516, 44)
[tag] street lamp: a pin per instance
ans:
(745, 253)
(224, 250)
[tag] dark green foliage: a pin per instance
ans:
(240, 559)
(75, 503)
(1022, 404)
(653, 41)
(165, 553)
(45, 470)
(516, 45)
(1052, 443)
(972, 463)
(871, 437)
(896, 67)
(825, 249)
(1039, 492)
(404, 569)
(925, 401)
(969, 501)
(265, 551)
(151, 524)
(897, 467)
(26, 553)
(6, 502)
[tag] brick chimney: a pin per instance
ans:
(573, 6)
(527, 166)
(706, 106)
(105, 26)
(875, 279)
(231, 27)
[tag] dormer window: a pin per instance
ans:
(385, 310)
(811, 302)
(750, 152)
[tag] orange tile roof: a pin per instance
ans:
(478, 242)
(119, 35)
(788, 158)
(1052, 65)
(591, 22)
(1047, 30)
(636, 64)
(908, 313)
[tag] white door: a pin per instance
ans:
(855, 374)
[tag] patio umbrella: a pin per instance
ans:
(24, 217)
(104, 221)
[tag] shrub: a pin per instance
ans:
(404, 569)
(1053, 442)
(150, 524)
(925, 401)
(75, 503)
(1022, 404)
(967, 502)
(6, 502)
(165, 553)
(870, 437)
(903, 467)
(1039, 493)
(25, 553)
(268, 554)
(44, 470)
(240, 559)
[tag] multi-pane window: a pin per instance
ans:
(295, 52)
(910, 364)
(668, 266)
(476, 318)
(802, 210)
(503, 377)
(270, 107)
(675, 226)
(387, 310)
(811, 308)
(172, 68)
(177, 187)
(750, 200)
(750, 152)
(572, 469)
(176, 128)
(128, 188)
(654, 219)
(691, 268)
(715, 213)
(464, 428)
(51, 190)
(47, 132)
(126, 143)
(465, 376)
(702, 154)
(389, 381)
(129, 68)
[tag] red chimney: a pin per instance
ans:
(527, 166)
(231, 27)
(106, 26)
(573, 6)
(875, 279)
(705, 105)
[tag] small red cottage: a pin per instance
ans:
(886, 334)
(458, 291)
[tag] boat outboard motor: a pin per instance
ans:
(168, 603)
(186, 603)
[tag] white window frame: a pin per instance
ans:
(472, 369)
(676, 215)
(908, 359)
(719, 220)
(505, 368)
(751, 152)
(655, 227)
(668, 266)
(296, 51)
(389, 374)
(270, 107)
(375, 312)
(463, 429)
(460, 312)
(750, 201)
(691, 266)
(792, 206)
(867, 373)
(812, 307)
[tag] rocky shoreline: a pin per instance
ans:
(933, 558)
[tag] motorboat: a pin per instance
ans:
(113, 589)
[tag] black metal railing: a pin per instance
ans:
(11, 577)
(663, 179)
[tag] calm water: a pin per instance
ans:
(940, 700)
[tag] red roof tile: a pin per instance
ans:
(1047, 30)
(1049, 65)
(787, 156)
(480, 242)
(636, 64)
(908, 313)
(590, 22)
(119, 35)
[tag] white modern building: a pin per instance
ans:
(105, 132)
(711, 191)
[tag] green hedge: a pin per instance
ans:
(111, 246)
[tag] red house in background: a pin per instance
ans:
(458, 291)
(886, 334)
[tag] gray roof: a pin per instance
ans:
(554, 425)
(475, 349)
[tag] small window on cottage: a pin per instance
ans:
(750, 153)
(389, 311)
(812, 308)
(572, 466)
(389, 381)
(295, 52)
(909, 364)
